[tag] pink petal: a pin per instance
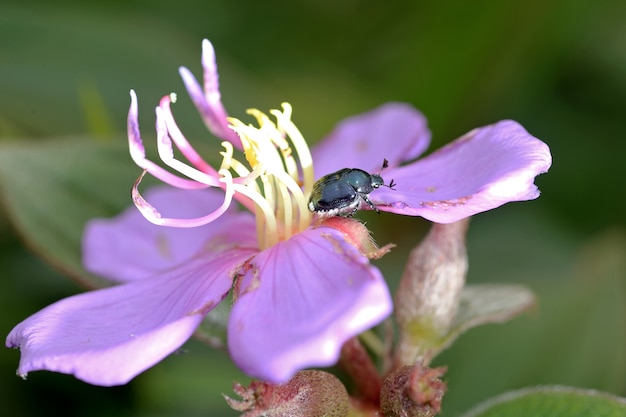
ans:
(107, 337)
(394, 131)
(128, 247)
(482, 170)
(300, 301)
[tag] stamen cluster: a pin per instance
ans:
(273, 181)
(278, 181)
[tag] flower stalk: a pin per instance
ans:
(357, 362)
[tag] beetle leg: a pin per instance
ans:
(368, 201)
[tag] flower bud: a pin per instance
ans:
(412, 391)
(309, 393)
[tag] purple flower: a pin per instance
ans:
(301, 285)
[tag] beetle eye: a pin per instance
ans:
(377, 181)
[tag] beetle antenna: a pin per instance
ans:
(386, 165)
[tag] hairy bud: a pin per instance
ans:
(309, 393)
(413, 391)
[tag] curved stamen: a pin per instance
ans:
(285, 124)
(208, 101)
(298, 197)
(179, 139)
(270, 184)
(166, 153)
(277, 138)
(267, 229)
(153, 216)
(138, 153)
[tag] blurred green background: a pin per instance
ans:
(558, 67)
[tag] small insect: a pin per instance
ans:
(344, 192)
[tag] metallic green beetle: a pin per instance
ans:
(344, 192)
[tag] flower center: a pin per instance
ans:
(276, 178)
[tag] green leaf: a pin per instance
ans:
(489, 303)
(51, 189)
(60, 58)
(554, 401)
(482, 304)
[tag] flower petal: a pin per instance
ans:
(107, 337)
(394, 131)
(300, 301)
(482, 170)
(128, 247)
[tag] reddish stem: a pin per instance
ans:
(359, 365)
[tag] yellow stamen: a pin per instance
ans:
(302, 149)
(277, 180)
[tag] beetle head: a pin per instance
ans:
(377, 181)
